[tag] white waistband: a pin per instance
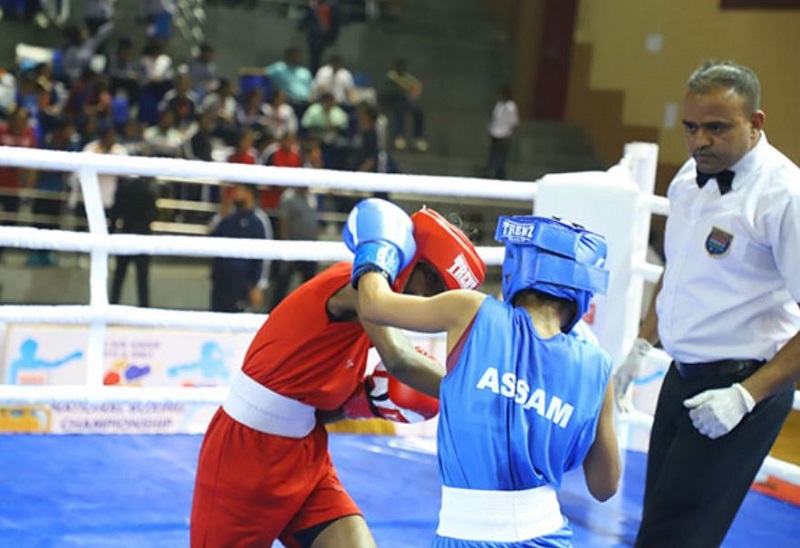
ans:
(261, 409)
(499, 516)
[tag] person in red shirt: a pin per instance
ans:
(264, 471)
(287, 154)
(17, 132)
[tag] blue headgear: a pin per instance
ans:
(558, 258)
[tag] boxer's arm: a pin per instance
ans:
(402, 361)
(383, 396)
(450, 311)
(602, 466)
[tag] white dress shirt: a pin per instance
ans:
(732, 279)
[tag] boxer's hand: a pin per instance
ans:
(383, 396)
(716, 412)
(629, 370)
(382, 237)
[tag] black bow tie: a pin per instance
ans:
(724, 180)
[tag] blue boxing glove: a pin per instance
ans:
(382, 237)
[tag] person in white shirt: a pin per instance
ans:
(106, 144)
(335, 79)
(726, 312)
(502, 124)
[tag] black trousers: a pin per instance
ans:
(498, 155)
(142, 263)
(694, 484)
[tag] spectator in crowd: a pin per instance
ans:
(292, 77)
(199, 147)
(222, 106)
(203, 72)
(164, 139)
(182, 101)
(8, 91)
(287, 154)
(327, 123)
(244, 152)
(98, 101)
(402, 97)
(132, 137)
(281, 118)
(237, 285)
(17, 132)
(336, 79)
(298, 220)
(157, 73)
(250, 113)
(321, 22)
(106, 144)
(54, 183)
(53, 12)
(80, 48)
(124, 71)
(502, 124)
(133, 211)
(97, 13)
(157, 16)
(365, 142)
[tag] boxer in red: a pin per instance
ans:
(264, 471)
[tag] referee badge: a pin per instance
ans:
(718, 241)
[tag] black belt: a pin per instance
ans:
(708, 370)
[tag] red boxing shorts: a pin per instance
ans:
(263, 486)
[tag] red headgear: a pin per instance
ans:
(446, 249)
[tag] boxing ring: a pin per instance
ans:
(116, 465)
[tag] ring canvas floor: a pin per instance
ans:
(120, 491)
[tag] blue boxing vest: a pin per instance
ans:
(516, 410)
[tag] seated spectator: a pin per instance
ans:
(336, 79)
(124, 71)
(199, 147)
(222, 106)
(132, 137)
(244, 152)
(287, 154)
(164, 139)
(202, 71)
(292, 77)
(402, 97)
(182, 101)
(98, 101)
(250, 113)
(8, 91)
(364, 150)
(325, 121)
(280, 116)
(328, 124)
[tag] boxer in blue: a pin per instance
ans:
(523, 400)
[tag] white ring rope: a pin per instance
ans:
(99, 314)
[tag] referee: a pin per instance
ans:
(726, 312)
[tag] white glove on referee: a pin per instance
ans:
(629, 370)
(716, 412)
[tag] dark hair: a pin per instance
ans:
(741, 80)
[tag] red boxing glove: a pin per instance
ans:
(383, 396)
